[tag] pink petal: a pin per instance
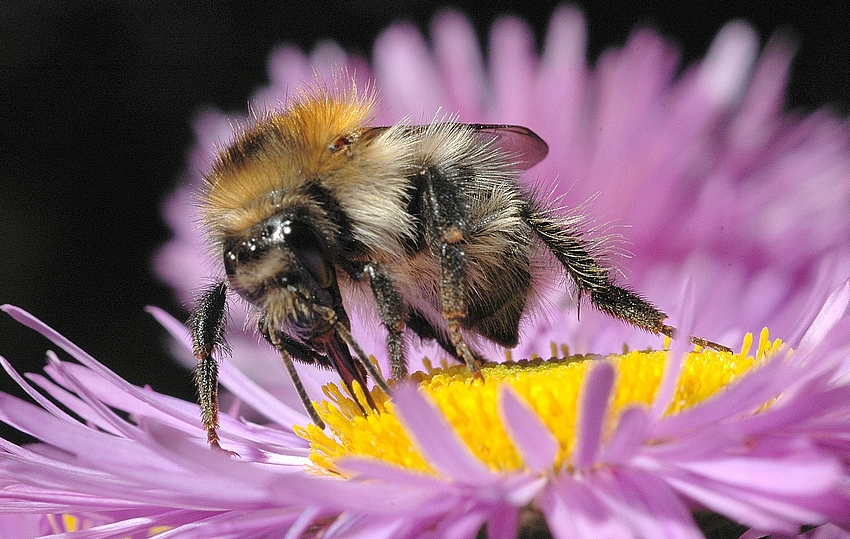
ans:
(574, 511)
(661, 503)
(436, 438)
(726, 69)
(512, 68)
(535, 442)
(503, 523)
(461, 64)
(630, 434)
(409, 80)
(595, 393)
(676, 356)
(833, 310)
(747, 507)
(800, 474)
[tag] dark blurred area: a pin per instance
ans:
(96, 102)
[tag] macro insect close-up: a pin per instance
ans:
(312, 206)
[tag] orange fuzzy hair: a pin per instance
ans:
(278, 152)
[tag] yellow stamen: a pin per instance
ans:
(550, 387)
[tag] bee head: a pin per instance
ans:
(283, 265)
(279, 200)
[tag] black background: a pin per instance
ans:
(96, 101)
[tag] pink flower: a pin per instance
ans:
(723, 199)
(754, 199)
(772, 469)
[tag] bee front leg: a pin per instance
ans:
(444, 220)
(207, 324)
(391, 310)
(287, 347)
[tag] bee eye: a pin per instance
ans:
(339, 144)
(305, 244)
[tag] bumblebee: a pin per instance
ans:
(431, 221)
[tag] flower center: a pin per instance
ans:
(550, 388)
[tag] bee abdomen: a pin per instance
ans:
(497, 311)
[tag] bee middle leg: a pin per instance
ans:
(423, 328)
(391, 309)
(445, 226)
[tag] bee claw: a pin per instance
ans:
(699, 341)
(217, 448)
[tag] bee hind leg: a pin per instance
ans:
(574, 253)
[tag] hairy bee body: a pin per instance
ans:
(496, 241)
(431, 221)
(367, 209)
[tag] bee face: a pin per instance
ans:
(432, 221)
(271, 210)
(282, 266)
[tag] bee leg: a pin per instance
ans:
(287, 347)
(572, 252)
(422, 327)
(207, 324)
(299, 388)
(391, 310)
(445, 231)
(453, 296)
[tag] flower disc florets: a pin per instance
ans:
(551, 388)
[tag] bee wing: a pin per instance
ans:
(524, 147)
(521, 143)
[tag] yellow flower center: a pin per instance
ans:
(550, 388)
